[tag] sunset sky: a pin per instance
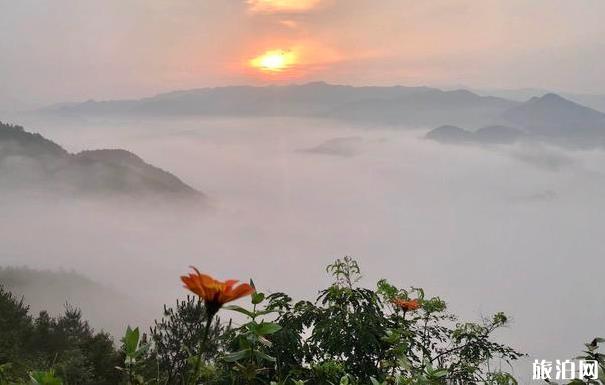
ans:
(65, 50)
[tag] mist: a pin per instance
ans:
(488, 228)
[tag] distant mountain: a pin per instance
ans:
(498, 135)
(554, 118)
(549, 118)
(345, 147)
(385, 105)
(485, 135)
(51, 290)
(425, 108)
(450, 134)
(594, 101)
(29, 161)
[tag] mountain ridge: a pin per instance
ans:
(398, 105)
(52, 290)
(550, 117)
(554, 118)
(28, 160)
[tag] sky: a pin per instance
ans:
(71, 50)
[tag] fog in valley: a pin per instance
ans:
(511, 228)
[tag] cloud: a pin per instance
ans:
(543, 157)
(537, 197)
(281, 6)
(289, 23)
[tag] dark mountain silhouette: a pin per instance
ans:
(554, 118)
(29, 160)
(15, 141)
(386, 105)
(550, 118)
(485, 135)
(450, 134)
(498, 134)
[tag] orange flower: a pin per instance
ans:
(215, 293)
(407, 305)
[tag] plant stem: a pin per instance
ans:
(202, 348)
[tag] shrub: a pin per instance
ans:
(78, 355)
(348, 335)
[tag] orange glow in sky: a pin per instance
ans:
(275, 61)
(271, 6)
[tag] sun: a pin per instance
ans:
(274, 61)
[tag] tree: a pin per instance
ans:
(349, 335)
(16, 328)
(176, 337)
(387, 334)
(67, 343)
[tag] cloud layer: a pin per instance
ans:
(487, 229)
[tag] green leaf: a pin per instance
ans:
(267, 328)
(240, 309)
(131, 340)
(404, 363)
(439, 373)
(264, 356)
(45, 378)
(265, 341)
(257, 298)
(236, 356)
